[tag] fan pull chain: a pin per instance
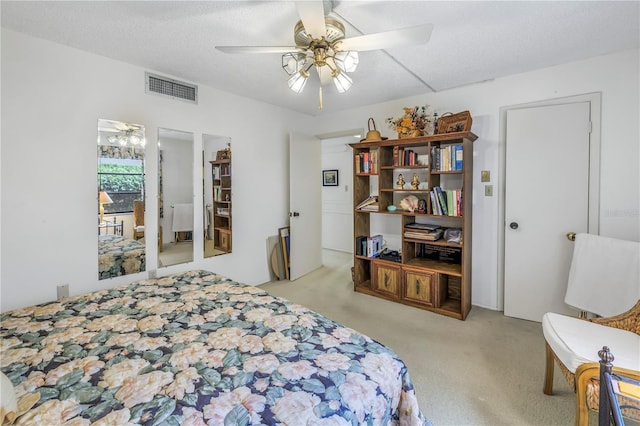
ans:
(320, 97)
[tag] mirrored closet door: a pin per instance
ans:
(217, 182)
(121, 198)
(175, 197)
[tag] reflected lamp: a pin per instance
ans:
(103, 199)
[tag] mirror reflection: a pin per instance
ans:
(121, 195)
(217, 194)
(175, 197)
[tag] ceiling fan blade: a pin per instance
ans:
(404, 37)
(258, 49)
(312, 15)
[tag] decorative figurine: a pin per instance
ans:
(400, 181)
(422, 206)
(415, 182)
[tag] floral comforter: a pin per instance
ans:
(118, 255)
(198, 349)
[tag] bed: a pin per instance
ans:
(198, 349)
(118, 255)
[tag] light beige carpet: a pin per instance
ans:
(487, 370)
(175, 253)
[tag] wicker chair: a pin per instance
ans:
(603, 280)
(584, 380)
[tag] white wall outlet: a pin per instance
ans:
(153, 273)
(63, 291)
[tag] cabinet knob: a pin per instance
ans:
(417, 286)
(513, 225)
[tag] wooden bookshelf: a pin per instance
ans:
(432, 275)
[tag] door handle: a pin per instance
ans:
(294, 214)
(513, 225)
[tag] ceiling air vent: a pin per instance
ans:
(172, 88)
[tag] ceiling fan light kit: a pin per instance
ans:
(127, 138)
(320, 42)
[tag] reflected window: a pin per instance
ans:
(123, 180)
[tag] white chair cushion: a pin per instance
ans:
(576, 341)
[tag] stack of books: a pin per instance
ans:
(369, 246)
(422, 231)
(370, 204)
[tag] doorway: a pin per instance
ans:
(305, 203)
(550, 163)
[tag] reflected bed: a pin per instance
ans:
(118, 255)
(197, 348)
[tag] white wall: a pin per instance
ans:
(337, 201)
(615, 76)
(52, 98)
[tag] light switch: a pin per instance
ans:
(488, 190)
(485, 176)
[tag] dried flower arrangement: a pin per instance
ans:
(414, 122)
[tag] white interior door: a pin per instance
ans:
(546, 196)
(305, 201)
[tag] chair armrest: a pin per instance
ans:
(629, 320)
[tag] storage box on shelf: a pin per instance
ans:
(434, 272)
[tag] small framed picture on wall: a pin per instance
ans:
(329, 178)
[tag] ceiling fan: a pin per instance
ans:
(320, 41)
(124, 133)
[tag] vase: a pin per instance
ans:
(412, 134)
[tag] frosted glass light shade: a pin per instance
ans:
(347, 61)
(293, 62)
(342, 81)
(298, 81)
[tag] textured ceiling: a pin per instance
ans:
(471, 41)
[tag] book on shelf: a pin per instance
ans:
(371, 199)
(369, 246)
(421, 226)
(441, 200)
(458, 157)
(374, 245)
(426, 236)
(435, 207)
(421, 231)
(446, 202)
(367, 162)
(451, 204)
(435, 158)
(370, 208)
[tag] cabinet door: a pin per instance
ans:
(419, 287)
(386, 278)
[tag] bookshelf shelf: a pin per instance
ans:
(432, 275)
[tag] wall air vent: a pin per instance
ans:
(175, 89)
